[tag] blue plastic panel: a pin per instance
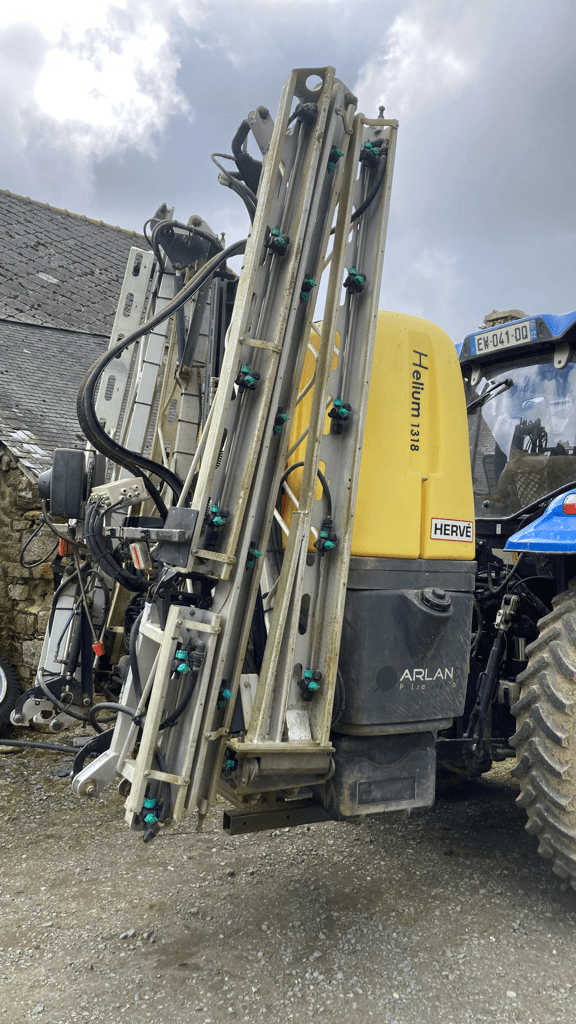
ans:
(554, 532)
(558, 325)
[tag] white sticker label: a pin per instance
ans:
(452, 529)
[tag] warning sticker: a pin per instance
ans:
(452, 529)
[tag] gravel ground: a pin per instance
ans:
(446, 916)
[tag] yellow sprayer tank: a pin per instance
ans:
(403, 664)
(415, 490)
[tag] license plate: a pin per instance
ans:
(503, 337)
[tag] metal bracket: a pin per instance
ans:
(505, 614)
(215, 556)
(258, 343)
(561, 354)
(217, 734)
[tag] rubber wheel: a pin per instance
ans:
(9, 690)
(545, 740)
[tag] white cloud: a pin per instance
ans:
(422, 60)
(107, 80)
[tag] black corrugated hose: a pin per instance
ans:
(138, 464)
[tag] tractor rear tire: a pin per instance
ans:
(9, 690)
(545, 738)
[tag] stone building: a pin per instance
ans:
(60, 275)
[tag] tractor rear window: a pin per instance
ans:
(522, 440)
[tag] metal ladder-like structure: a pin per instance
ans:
(147, 398)
(257, 733)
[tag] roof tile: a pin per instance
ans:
(86, 257)
(37, 418)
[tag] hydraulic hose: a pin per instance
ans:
(380, 173)
(249, 169)
(58, 703)
(161, 225)
(108, 706)
(44, 558)
(383, 160)
(167, 789)
(181, 707)
(138, 464)
(153, 822)
(497, 590)
(59, 590)
(41, 746)
(133, 657)
(236, 184)
(322, 479)
(48, 520)
(97, 547)
(205, 235)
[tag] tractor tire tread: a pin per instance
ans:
(521, 768)
(545, 738)
(555, 695)
(544, 639)
(549, 727)
(525, 700)
(525, 730)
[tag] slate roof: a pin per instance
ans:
(40, 373)
(60, 277)
(60, 269)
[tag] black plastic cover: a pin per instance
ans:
(404, 652)
(376, 774)
(67, 483)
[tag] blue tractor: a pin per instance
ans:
(520, 381)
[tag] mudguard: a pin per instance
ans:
(554, 532)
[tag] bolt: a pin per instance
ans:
(146, 775)
(17, 719)
(90, 789)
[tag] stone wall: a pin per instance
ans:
(25, 594)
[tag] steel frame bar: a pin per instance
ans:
(240, 460)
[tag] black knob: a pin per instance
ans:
(437, 599)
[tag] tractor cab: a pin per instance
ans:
(520, 384)
(520, 381)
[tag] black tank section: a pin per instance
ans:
(405, 641)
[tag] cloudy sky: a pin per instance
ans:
(110, 108)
